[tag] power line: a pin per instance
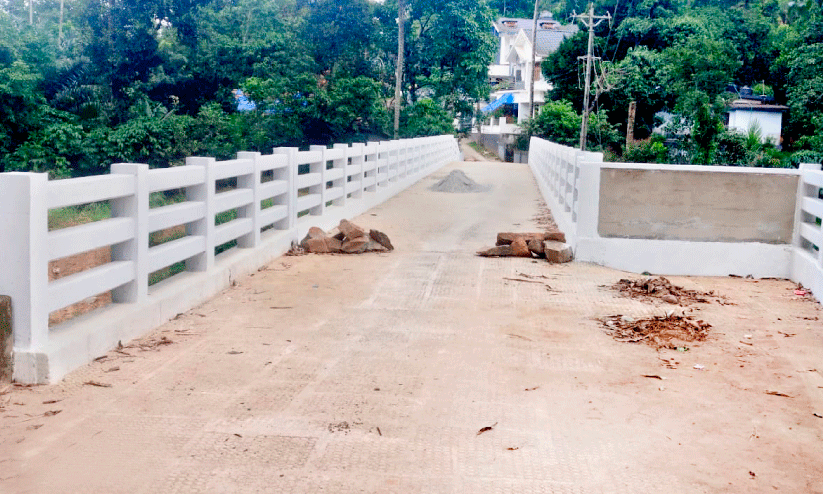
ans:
(591, 21)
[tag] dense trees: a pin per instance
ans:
(152, 80)
(680, 55)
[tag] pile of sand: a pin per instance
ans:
(457, 181)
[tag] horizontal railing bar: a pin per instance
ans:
(175, 251)
(308, 180)
(273, 214)
(273, 188)
(176, 177)
(83, 238)
(74, 191)
(175, 214)
(74, 288)
(232, 230)
(308, 201)
(232, 168)
(232, 199)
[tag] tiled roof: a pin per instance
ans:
(549, 40)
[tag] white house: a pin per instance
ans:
(745, 112)
(509, 75)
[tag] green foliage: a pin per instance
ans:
(557, 122)
(425, 118)
(651, 150)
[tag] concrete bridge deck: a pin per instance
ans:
(375, 373)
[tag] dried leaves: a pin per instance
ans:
(649, 289)
(657, 331)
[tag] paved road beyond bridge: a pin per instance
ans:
(432, 370)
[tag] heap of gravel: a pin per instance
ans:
(457, 181)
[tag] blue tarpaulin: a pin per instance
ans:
(506, 99)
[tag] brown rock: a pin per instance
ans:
(555, 236)
(315, 241)
(506, 238)
(499, 251)
(520, 248)
(334, 244)
(376, 247)
(670, 299)
(336, 233)
(536, 246)
(557, 252)
(355, 245)
(381, 238)
(315, 245)
(350, 230)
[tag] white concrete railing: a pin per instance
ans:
(712, 228)
(557, 170)
(807, 264)
(341, 182)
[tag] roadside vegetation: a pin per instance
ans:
(153, 81)
(679, 57)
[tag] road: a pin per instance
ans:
(432, 370)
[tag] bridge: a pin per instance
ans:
(426, 369)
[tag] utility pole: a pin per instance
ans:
(588, 20)
(531, 68)
(630, 123)
(398, 85)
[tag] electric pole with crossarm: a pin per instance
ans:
(591, 21)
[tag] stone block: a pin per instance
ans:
(356, 245)
(381, 238)
(520, 248)
(498, 251)
(557, 252)
(536, 246)
(350, 230)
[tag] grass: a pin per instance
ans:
(78, 215)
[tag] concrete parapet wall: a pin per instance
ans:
(700, 206)
(273, 204)
(683, 219)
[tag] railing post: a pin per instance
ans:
(320, 167)
(358, 161)
(342, 163)
(253, 210)
(291, 173)
(135, 250)
(24, 257)
(204, 193)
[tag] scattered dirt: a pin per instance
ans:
(544, 217)
(660, 288)
(671, 331)
(457, 181)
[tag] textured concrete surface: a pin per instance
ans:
(706, 206)
(375, 373)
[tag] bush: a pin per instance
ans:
(650, 150)
(425, 118)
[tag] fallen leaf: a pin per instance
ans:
(51, 402)
(513, 449)
(486, 429)
(115, 368)
(818, 415)
(652, 376)
(234, 352)
(98, 384)
(532, 389)
(34, 427)
(52, 413)
(777, 393)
